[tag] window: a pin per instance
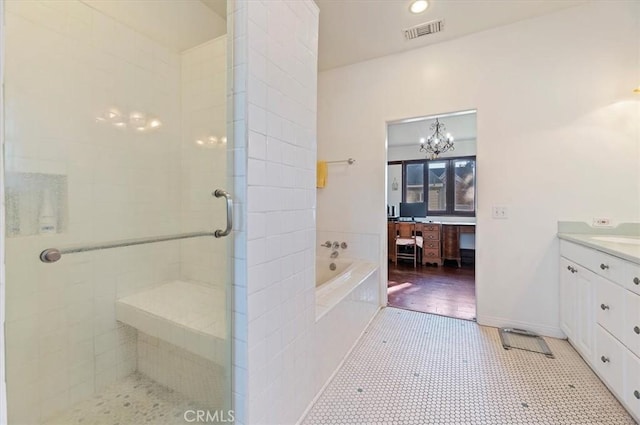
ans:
(464, 193)
(448, 186)
(414, 189)
(437, 178)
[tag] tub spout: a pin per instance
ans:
(334, 254)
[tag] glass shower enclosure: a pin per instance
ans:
(117, 211)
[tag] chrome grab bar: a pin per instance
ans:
(51, 255)
(218, 194)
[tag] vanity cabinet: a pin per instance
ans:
(631, 384)
(577, 316)
(600, 314)
(568, 298)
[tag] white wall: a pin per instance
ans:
(462, 148)
(66, 64)
(275, 47)
(558, 138)
(394, 197)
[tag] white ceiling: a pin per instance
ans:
(356, 30)
(350, 30)
(462, 126)
(218, 6)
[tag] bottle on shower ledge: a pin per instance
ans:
(47, 220)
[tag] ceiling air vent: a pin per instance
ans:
(424, 29)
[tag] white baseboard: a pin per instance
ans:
(501, 322)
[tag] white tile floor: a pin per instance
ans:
(135, 400)
(415, 368)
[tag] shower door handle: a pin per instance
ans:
(219, 193)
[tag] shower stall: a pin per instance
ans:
(118, 211)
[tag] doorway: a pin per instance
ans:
(431, 220)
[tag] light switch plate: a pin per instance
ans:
(499, 212)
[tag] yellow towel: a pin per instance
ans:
(321, 174)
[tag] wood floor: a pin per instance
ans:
(446, 290)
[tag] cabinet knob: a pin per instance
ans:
(636, 280)
(636, 394)
(604, 306)
(604, 266)
(636, 329)
(604, 359)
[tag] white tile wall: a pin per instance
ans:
(3, 387)
(66, 64)
(282, 196)
(276, 335)
(197, 378)
(237, 125)
(365, 246)
(204, 168)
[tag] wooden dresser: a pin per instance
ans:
(451, 240)
(432, 242)
(432, 245)
(441, 241)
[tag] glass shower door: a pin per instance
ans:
(117, 212)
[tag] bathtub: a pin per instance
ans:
(324, 274)
(332, 286)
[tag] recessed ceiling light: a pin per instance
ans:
(419, 6)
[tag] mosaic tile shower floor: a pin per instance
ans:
(419, 369)
(135, 400)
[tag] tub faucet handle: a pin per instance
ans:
(327, 244)
(343, 245)
(336, 245)
(335, 254)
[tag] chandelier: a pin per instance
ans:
(438, 142)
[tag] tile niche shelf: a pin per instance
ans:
(25, 198)
(186, 314)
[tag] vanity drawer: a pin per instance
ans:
(610, 301)
(609, 360)
(631, 394)
(611, 267)
(605, 265)
(631, 278)
(631, 331)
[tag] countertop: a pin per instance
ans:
(625, 251)
(451, 223)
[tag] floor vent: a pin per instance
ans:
(424, 29)
(524, 340)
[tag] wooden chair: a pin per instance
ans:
(406, 238)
